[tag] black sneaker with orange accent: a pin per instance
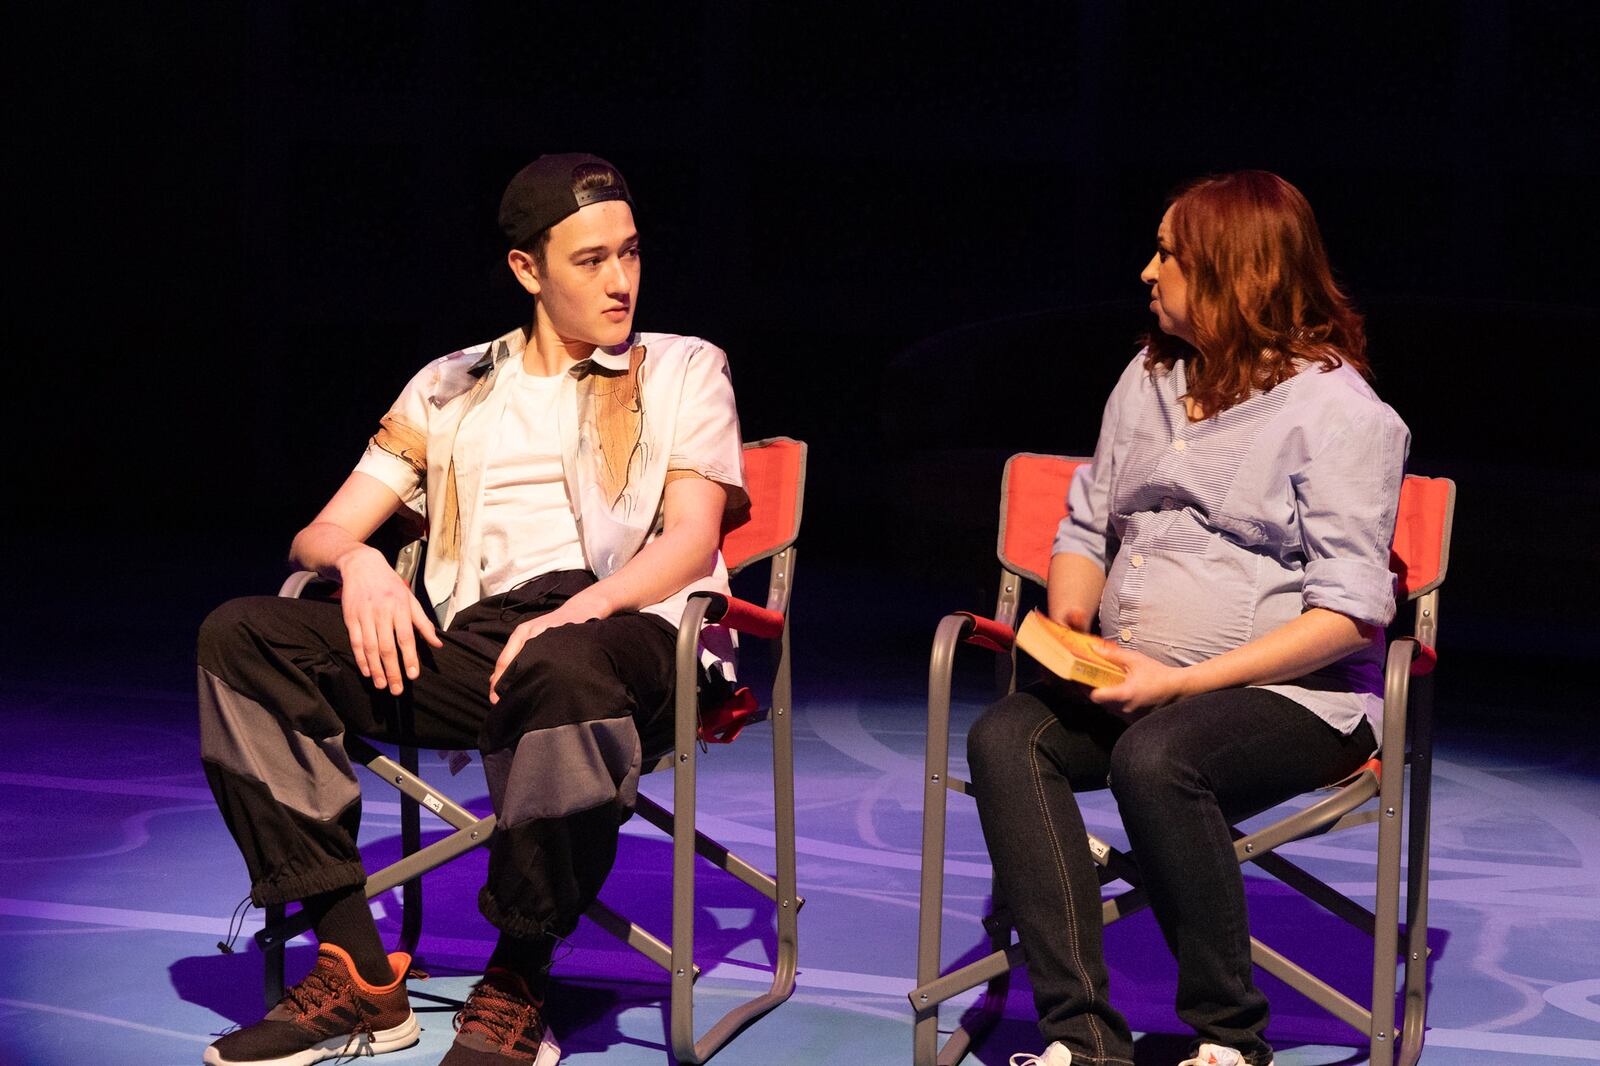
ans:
(333, 1013)
(502, 1024)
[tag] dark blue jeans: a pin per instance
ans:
(1181, 775)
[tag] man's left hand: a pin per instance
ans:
(569, 613)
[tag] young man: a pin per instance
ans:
(574, 477)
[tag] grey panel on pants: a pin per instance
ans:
(310, 777)
(564, 769)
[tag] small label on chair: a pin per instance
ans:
(1099, 849)
(433, 803)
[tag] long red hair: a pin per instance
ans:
(1261, 298)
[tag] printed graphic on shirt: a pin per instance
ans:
(405, 442)
(614, 423)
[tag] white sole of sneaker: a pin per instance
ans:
(401, 1036)
(549, 1050)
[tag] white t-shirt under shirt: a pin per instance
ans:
(528, 526)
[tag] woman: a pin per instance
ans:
(1233, 534)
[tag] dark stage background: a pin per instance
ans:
(917, 231)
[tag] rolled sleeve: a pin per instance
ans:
(397, 454)
(1083, 530)
(705, 439)
(392, 471)
(1346, 499)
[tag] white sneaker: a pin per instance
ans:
(1216, 1055)
(1054, 1055)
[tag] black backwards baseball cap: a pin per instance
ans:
(541, 194)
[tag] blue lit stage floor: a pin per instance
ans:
(118, 879)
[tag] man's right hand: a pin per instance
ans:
(383, 618)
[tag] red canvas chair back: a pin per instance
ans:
(775, 477)
(1033, 501)
(1421, 551)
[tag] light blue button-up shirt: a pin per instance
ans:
(1216, 532)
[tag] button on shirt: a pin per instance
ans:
(1217, 532)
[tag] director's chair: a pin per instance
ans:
(1032, 503)
(775, 476)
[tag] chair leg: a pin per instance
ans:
(993, 1004)
(410, 844)
(935, 787)
(926, 997)
(683, 894)
(681, 974)
(788, 954)
(1391, 812)
(686, 845)
(1386, 936)
(1385, 942)
(1414, 1022)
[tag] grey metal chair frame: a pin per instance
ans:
(1407, 744)
(470, 831)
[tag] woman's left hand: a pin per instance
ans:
(1149, 684)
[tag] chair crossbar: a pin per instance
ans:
(713, 852)
(1114, 864)
(1354, 820)
(1122, 905)
(435, 855)
(470, 832)
(1311, 986)
(635, 936)
(946, 986)
(1318, 891)
(432, 857)
(410, 784)
(1307, 822)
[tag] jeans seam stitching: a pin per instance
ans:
(1062, 878)
(1203, 767)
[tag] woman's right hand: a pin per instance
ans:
(383, 617)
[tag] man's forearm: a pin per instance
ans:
(662, 567)
(685, 551)
(343, 525)
(321, 546)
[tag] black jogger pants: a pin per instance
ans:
(562, 749)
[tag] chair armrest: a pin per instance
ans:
(742, 615)
(1424, 659)
(987, 633)
(294, 586)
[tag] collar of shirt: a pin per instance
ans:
(516, 342)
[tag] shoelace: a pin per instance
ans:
(1022, 1058)
(497, 1015)
(321, 985)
